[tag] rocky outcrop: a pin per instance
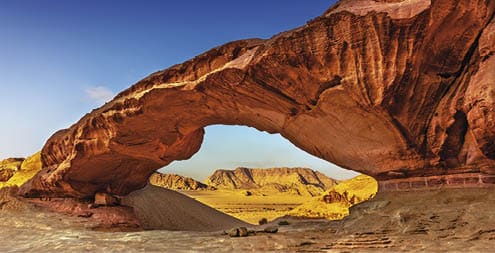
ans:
(8, 167)
(335, 203)
(393, 89)
(176, 182)
(17, 171)
(299, 181)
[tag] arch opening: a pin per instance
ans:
(229, 147)
(253, 175)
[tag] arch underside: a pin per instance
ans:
(390, 96)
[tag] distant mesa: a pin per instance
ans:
(296, 181)
(253, 181)
(177, 182)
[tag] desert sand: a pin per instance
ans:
(427, 221)
(333, 204)
(159, 208)
(249, 208)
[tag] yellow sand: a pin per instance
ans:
(252, 208)
(160, 208)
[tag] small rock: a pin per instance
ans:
(263, 221)
(234, 232)
(271, 230)
(243, 232)
(105, 199)
(283, 223)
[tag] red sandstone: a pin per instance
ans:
(391, 92)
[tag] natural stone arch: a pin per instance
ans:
(372, 92)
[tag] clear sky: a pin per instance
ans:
(60, 59)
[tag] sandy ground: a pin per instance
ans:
(160, 208)
(250, 209)
(454, 220)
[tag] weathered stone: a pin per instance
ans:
(334, 197)
(105, 199)
(263, 221)
(391, 90)
(6, 174)
(176, 182)
(243, 232)
(234, 232)
(8, 168)
(271, 230)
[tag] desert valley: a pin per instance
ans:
(253, 194)
(400, 91)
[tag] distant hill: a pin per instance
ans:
(176, 182)
(298, 181)
(335, 203)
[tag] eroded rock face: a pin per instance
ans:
(297, 181)
(387, 91)
(177, 182)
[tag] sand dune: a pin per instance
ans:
(159, 208)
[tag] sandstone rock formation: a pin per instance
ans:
(16, 171)
(299, 181)
(335, 204)
(393, 89)
(176, 182)
(8, 167)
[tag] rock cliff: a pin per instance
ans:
(394, 89)
(176, 182)
(298, 181)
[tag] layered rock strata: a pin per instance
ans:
(297, 181)
(393, 89)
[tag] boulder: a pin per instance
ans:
(271, 230)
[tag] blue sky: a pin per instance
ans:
(60, 59)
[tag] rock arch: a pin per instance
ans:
(387, 94)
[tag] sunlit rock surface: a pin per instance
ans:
(20, 170)
(176, 182)
(393, 89)
(8, 167)
(335, 204)
(292, 181)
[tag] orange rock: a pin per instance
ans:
(387, 91)
(105, 199)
